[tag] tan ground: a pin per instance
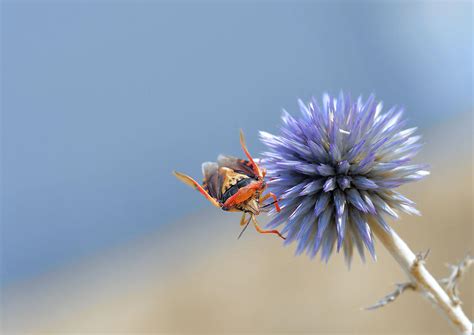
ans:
(194, 276)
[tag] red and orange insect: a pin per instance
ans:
(235, 185)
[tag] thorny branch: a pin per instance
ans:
(401, 287)
(421, 257)
(422, 279)
(451, 283)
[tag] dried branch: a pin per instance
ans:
(421, 279)
(422, 256)
(401, 287)
(453, 281)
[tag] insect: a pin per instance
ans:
(235, 185)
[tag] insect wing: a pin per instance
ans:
(237, 164)
(212, 179)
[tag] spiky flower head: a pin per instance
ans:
(336, 168)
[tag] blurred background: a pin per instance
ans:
(102, 100)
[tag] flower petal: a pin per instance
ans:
(330, 184)
(321, 203)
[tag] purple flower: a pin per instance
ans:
(335, 168)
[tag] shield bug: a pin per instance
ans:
(235, 185)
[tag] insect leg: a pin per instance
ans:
(242, 220)
(275, 200)
(191, 182)
(261, 231)
(267, 205)
(255, 167)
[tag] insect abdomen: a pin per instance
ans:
(235, 188)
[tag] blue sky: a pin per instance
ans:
(102, 100)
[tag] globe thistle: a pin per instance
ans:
(335, 168)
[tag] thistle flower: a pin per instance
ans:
(335, 168)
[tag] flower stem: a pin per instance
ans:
(422, 279)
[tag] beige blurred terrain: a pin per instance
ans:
(194, 276)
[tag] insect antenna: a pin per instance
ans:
(269, 204)
(245, 227)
